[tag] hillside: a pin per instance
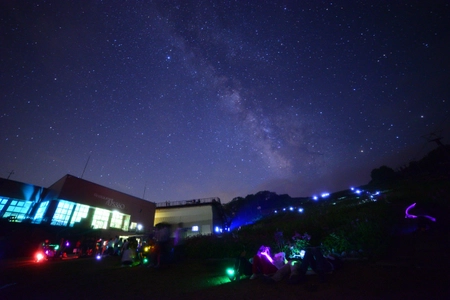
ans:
(431, 175)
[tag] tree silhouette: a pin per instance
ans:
(383, 175)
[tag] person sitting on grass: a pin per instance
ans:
(242, 266)
(264, 264)
(128, 257)
(296, 270)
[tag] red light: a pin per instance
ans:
(39, 256)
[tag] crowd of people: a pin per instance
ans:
(155, 250)
(275, 267)
(164, 246)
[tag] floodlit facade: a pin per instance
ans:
(75, 202)
(199, 216)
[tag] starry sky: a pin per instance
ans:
(177, 100)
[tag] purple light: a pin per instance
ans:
(409, 216)
(431, 218)
(268, 256)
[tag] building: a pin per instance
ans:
(75, 209)
(77, 203)
(199, 216)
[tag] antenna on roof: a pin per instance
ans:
(85, 166)
(10, 174)
(145, 188)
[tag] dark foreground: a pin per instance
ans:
(417, 267)
(90, 279)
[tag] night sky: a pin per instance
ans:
(177, 100)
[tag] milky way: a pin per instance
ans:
(176, 100)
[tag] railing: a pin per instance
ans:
(188, 202)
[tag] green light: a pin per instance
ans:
(230, 272)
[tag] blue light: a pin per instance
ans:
(300, 210)
(291, 208)
(315, 198)
(324, 195)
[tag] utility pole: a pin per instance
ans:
(10, 174)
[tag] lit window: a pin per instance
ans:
(195, 228)
(40, 212)
(3, 202)
(17, 209)
(126, 222)
(116, 220)
(80, 213)
(100, 219)
(62, 214)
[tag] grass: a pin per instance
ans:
(206, 279)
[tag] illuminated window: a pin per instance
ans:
(126, 222)
(133, 226)
(17, 209)
(195, 228)
(80, 213)
(100, 219)
(62, 214)
(116, 219)
(40, 212)
(3, 202)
